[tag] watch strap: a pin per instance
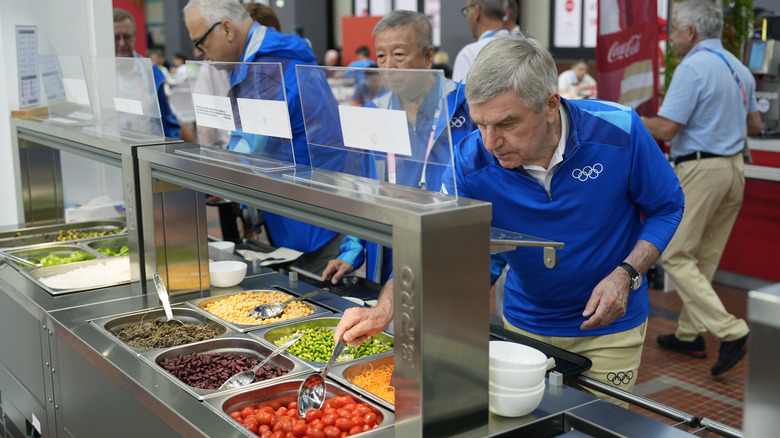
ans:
(630, 269)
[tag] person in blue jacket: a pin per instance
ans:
(124, 45)
(404, 40)
(586, 173)
(223, 31)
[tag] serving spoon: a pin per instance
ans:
(162, 292)
(21, 261)
(311, 394)
(246, 377)
(269, 310)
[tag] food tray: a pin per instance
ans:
(116, 323)
(47, 233)
(65, 248)
(236, 343)
(342, 372)
(35, 274)
(271, 334)
(566, 362)
(283, 393)
(201, 303)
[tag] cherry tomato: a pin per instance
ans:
(343, 413)
(370, 418)
(327, 405)
(349, 406)
(293, 406)
(344, 424)
(277, 434)
(281, 411)
(337, 402)
(292, 413)
(363, 408)
(332, 432)
(299, 428)
(290, 435)
(236, 415)
(329, 419)
(268, 409)
(355, 430)
(358, 420)
(263, 428)
(366, 427)
(314, 414)
(251, 424)
(317, 424)
(264, 434)
(247, 411)
(329, 410)
(263, 417)
(315, 433)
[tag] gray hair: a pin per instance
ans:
(214, 11)
(515, 63)
(492, 8)
(399, 19)
(704, 15)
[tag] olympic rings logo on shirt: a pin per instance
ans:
(586, 172)
(620, 378)
(457, 122)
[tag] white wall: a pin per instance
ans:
(65, 27)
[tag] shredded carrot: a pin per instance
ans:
(377, 382)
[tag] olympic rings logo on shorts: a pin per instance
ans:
(586, 172)
(457, 122)
(620, 378)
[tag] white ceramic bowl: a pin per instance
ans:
(227, 273)
(224, 245)
(500, 389)
(518, 378)
(512, 355)
(508, 405)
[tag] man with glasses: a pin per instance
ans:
(486, 22)
(583, 172)
(124, 45)
(223, 31)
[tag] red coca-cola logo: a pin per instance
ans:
(624, 50)
(569, 5)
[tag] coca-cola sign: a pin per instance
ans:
(623, 50)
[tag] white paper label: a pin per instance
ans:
(131, 106)
(375, 129)
(52, 78)
(27, 66)
(36, 423)
(265, 117)
(213, 112)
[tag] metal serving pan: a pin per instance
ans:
(342, 372)
(201, 303)
(272, 334)
(48, 233)
(47, 271)
(40, 251)
(237, 344)
(283, 393)
(104, 243)
(110, 325)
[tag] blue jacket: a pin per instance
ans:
(379, 265)
(269, 46)
(612, 173)
(171, 126)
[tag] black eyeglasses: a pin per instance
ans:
(465, 10)
(197, 43)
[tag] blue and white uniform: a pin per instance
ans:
(267, 45)
(611, 175)
(409, 172)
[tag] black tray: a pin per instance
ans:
(566, 362)
(351, 286)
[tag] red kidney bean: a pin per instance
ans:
(210, 371)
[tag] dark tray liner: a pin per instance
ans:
(351, 286)
(566, 362)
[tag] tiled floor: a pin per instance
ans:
(685, 383)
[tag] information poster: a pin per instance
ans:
(27, 62)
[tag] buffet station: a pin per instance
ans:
(116, 327)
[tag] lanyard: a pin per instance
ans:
(391, 167)
(733, 74)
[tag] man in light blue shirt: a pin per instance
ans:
(707, 113)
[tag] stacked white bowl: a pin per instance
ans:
(516, 378)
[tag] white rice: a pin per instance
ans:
(112, 271)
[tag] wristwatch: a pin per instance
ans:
(636, 277)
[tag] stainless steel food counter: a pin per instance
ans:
(63, 377)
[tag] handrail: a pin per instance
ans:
(720, 428)
(642, 402)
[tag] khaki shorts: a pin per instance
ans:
(615, 357)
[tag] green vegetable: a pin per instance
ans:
(54, 259)
(317, 344)
(115, 251)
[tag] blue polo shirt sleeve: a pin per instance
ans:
(682, 96)
(353, 251)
